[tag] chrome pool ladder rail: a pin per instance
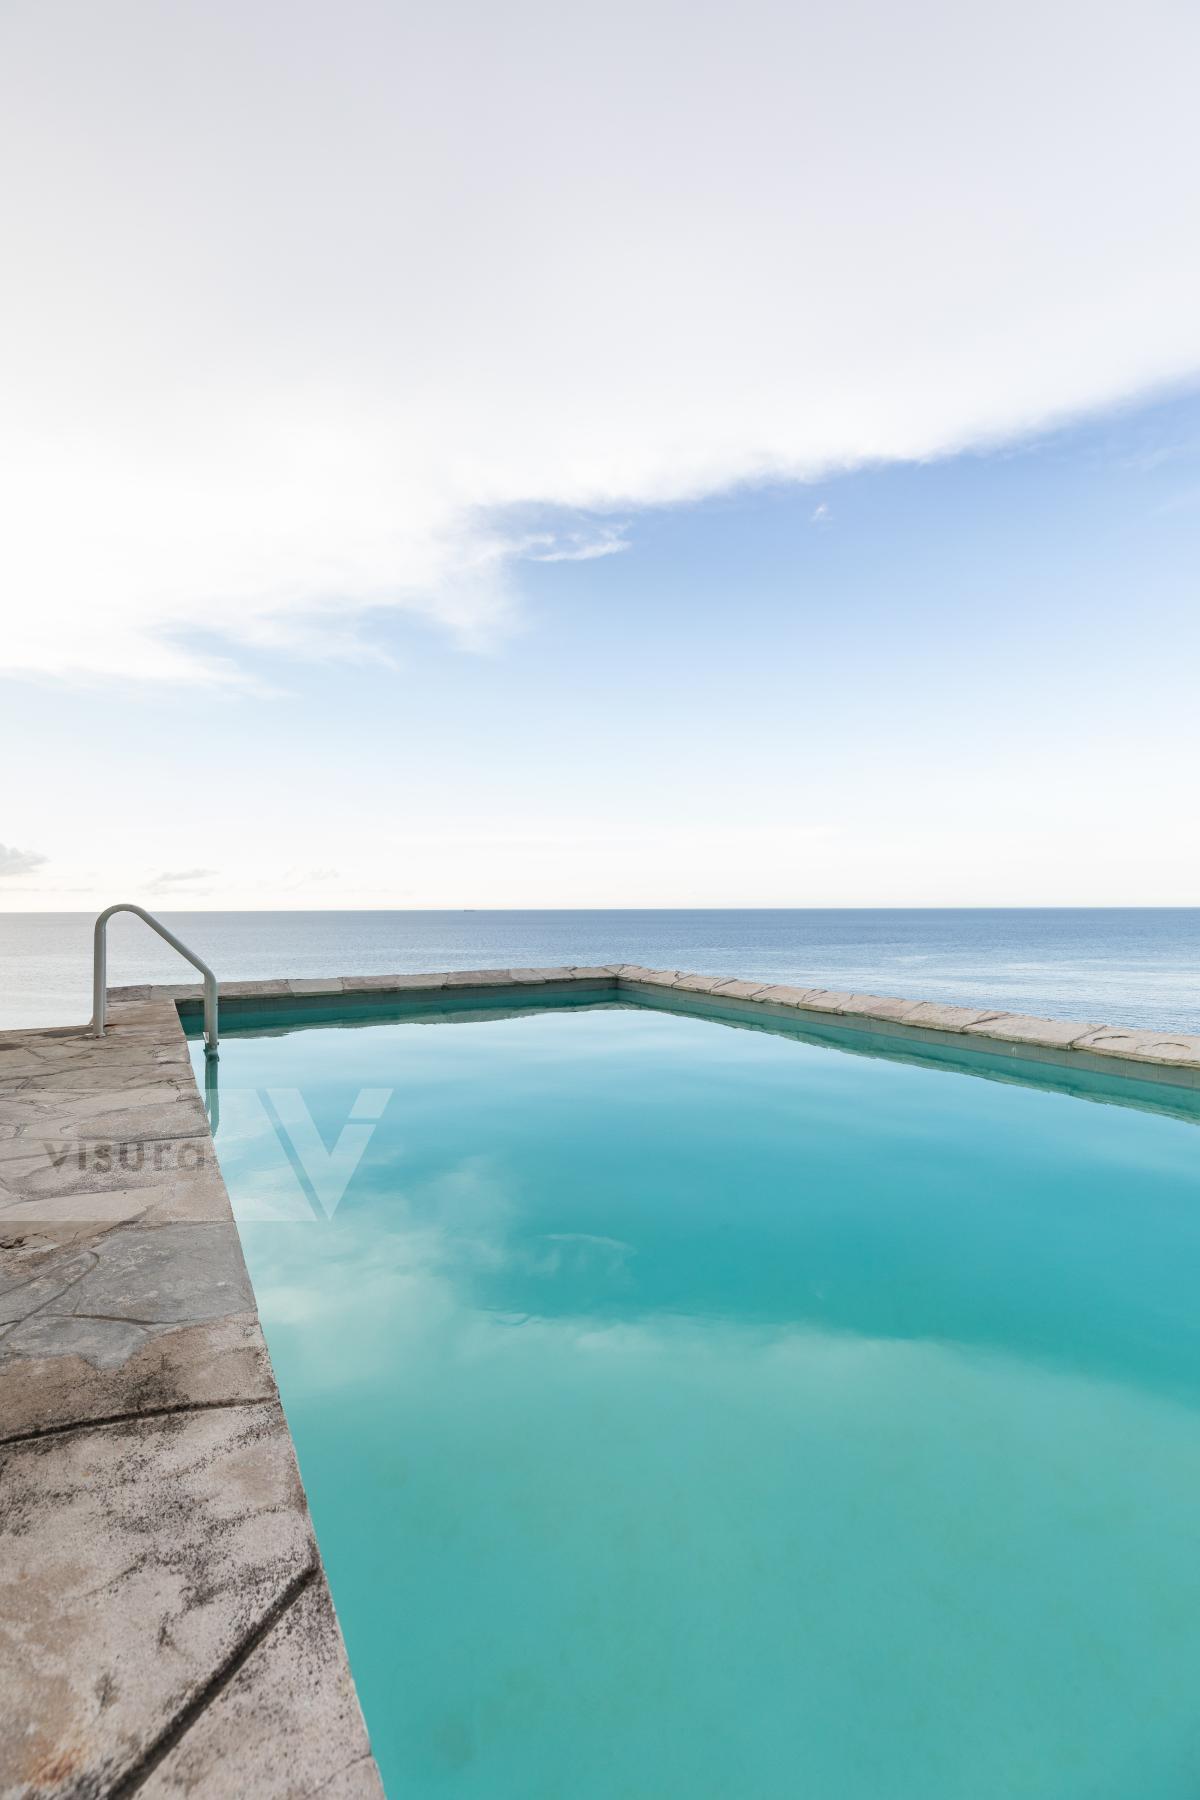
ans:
(100, 972)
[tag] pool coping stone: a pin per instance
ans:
(1148, 1054)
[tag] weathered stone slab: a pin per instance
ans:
(478, 978)
(288, 1722)
(157, 1011)
(737, 990)
(142, 1113)
(156, 1275)
(22, 1212)
(1142, 1046)
(135, 1066)
(1020, 1028)
(779, 994)
(590, 972)
(176, 1177)
(158, 993)
(138, 1558)
(133, 1037)
(249, 990)
(27, 1053)
(866, 1006)
(330, 985)
(938, 1017)
(364, 984)
(537, 977)
(51, 1381)
(103, 1297)
(36, 1270)
(20, 1059)
(20, 1162)
(832, 1000)
(358, 1781)
(701, 984)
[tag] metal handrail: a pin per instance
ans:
(100, 972)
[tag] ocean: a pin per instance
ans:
(1113, 965)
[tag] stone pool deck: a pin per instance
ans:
(166, 1625)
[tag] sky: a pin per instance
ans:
(572, 456)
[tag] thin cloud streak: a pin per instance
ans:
(547, 548)
(181, 877)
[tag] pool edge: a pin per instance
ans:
(1145, 1055)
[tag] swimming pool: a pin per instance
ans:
(692, 1410)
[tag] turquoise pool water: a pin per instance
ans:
(692, 1412)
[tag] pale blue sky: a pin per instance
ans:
(507, 456)
(966, 681)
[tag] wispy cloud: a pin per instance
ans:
(181, 877)
(576, 546)
(18, 862)
(820, 515)
(293, 878)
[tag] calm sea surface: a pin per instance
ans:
(1128, 967)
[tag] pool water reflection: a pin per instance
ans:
(690, 1411)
